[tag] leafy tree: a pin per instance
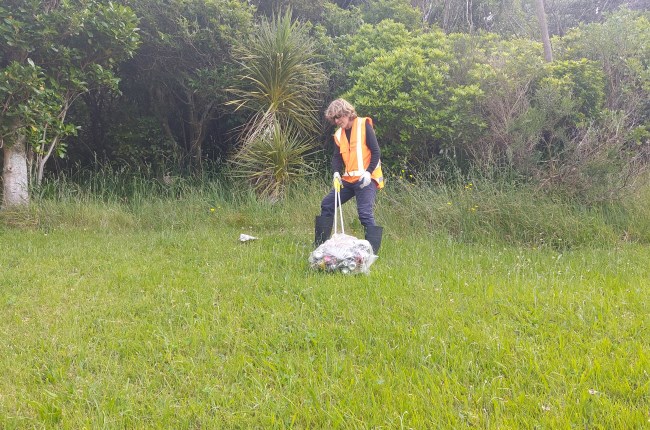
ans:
(543, 27)
(419, 109)
(339, 21)
(52, 52)
(375, 11)
(20, 88)
(567, 14)
(280, 84)
(184, 66)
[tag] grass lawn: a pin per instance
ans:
(182, 326)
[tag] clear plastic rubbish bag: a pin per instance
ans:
(343, 253)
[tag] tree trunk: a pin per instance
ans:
(194, 137)
(96, 101)
(14, 173)
(543, 26)
(469, 15)
(41, 159)
(43, 156)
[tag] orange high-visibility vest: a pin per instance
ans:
(356, 154)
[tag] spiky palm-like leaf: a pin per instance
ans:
(279, 74)
(280, 84)
(273, 158)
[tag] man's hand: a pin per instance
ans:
(365, 179)
(336, 182)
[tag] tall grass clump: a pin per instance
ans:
(480, 209)
(117, 199)
(469, 208)
(107, 197)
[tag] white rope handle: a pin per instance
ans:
(339, 209)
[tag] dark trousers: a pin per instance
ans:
(365, 201)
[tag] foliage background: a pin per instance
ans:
(449, 88)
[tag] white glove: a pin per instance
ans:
(336, 181)
(364, 180)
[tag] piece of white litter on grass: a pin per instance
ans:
(245, 238)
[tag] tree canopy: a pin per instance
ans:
(162, 86)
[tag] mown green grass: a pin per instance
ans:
(153, 315)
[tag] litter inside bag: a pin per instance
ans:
(343, 253)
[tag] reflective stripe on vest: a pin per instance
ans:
(358, 172)
(360, 159)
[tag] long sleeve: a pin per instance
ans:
(337, 160)
(373, 146)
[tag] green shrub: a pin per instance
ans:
(549, 122)
(581, 81)
(419, 110)
(621, 45)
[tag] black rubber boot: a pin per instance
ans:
(373, 235)
(323, 229)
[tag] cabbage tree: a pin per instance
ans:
(280, 85)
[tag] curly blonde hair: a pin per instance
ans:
(338, 108)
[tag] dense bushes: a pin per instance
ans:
(450, 101)
(407, 87)
(578, 125)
